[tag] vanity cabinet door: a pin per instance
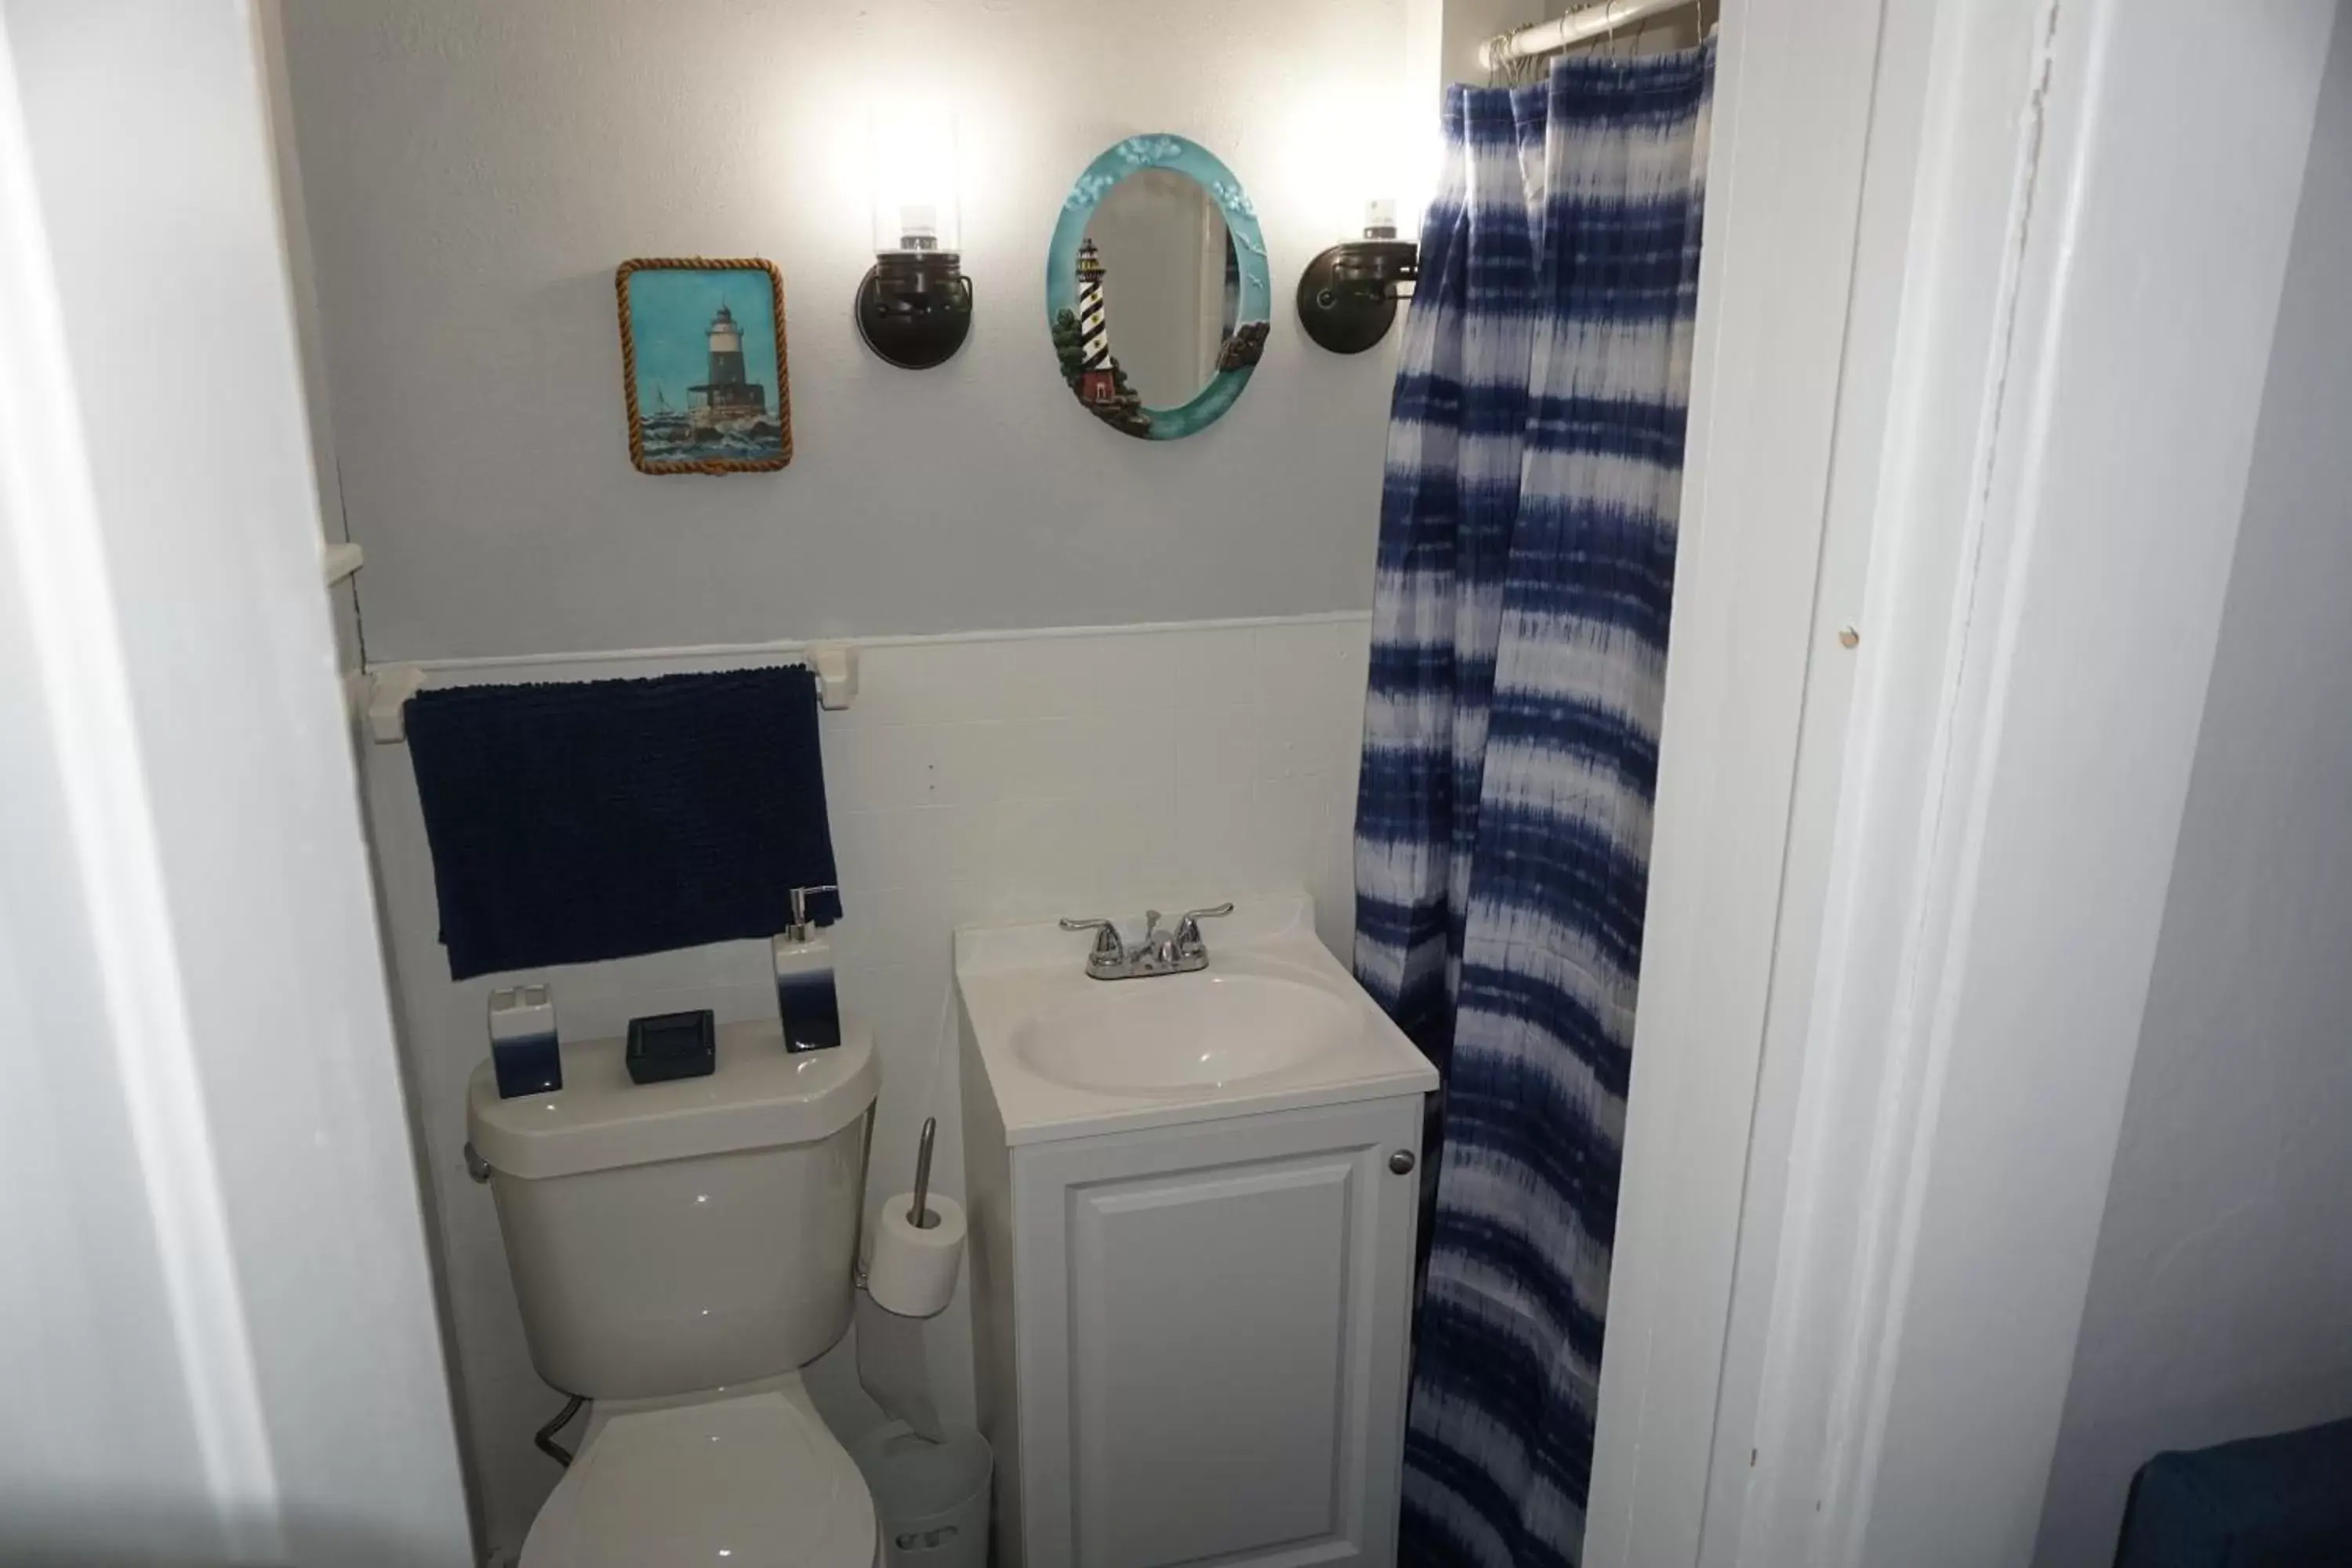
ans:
(1211, 1339)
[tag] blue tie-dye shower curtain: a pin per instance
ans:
(1510, 748)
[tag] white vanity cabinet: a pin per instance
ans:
(1206, 1353)
(1191, 1199)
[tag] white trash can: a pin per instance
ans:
(931, 1498)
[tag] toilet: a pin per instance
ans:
(681, 1250)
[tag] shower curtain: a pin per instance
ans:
(1502, 829)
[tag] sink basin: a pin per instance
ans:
(1182, 1032)
(1274, 1023)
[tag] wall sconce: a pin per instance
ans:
(914, 307)
(1348, 295)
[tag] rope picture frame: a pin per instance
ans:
(704, 326)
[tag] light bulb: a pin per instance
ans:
(914, 178)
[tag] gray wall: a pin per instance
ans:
(2221, 1303)
(473, 174)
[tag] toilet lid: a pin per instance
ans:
(749, 1482)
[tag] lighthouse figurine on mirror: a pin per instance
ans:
(1082, 338)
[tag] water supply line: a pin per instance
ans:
(544, 1438)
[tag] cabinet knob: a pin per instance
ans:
(1402, 1162)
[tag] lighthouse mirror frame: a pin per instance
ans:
(1088, 362)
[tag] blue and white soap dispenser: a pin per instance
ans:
(806, 1002)
(524, 1052)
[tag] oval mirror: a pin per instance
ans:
(1156, 288)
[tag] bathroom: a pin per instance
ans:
(1093, 675)
(1064, 675)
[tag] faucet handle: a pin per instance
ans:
(1107, 949)
(1187, 925)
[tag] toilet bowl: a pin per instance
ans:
(681, 1250)
(747, 1479)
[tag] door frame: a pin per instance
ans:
(1903, 915)
(224, 1346)
(1783, 328)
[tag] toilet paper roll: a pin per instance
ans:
(913, 1271)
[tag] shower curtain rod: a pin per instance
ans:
(1584, 23)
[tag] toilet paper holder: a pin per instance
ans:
(909, 1263)
(908, 1274)
(918, 1213)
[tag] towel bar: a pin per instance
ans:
(382, 694)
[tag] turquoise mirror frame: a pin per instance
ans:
(1252, 312)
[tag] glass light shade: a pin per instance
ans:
(915, 179)
(1410, 172)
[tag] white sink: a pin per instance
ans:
(1273, 1023)
(1182, 1032)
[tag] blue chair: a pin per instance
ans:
(2284, 1501)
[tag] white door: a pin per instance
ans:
(1211, 1340)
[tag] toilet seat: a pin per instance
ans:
(743, 1480)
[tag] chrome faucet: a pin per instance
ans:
(1177, 952)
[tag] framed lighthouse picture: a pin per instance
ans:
(702, 365)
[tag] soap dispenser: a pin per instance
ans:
(524, 1052)
(806, 1002)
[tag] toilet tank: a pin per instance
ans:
(670, 1237)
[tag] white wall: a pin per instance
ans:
(302, 276)
(474, 173)
(309, 340)
(2220, 1302)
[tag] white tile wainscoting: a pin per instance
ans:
(1014, 775)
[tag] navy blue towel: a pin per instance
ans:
(583, 820)
(2284, 1501)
